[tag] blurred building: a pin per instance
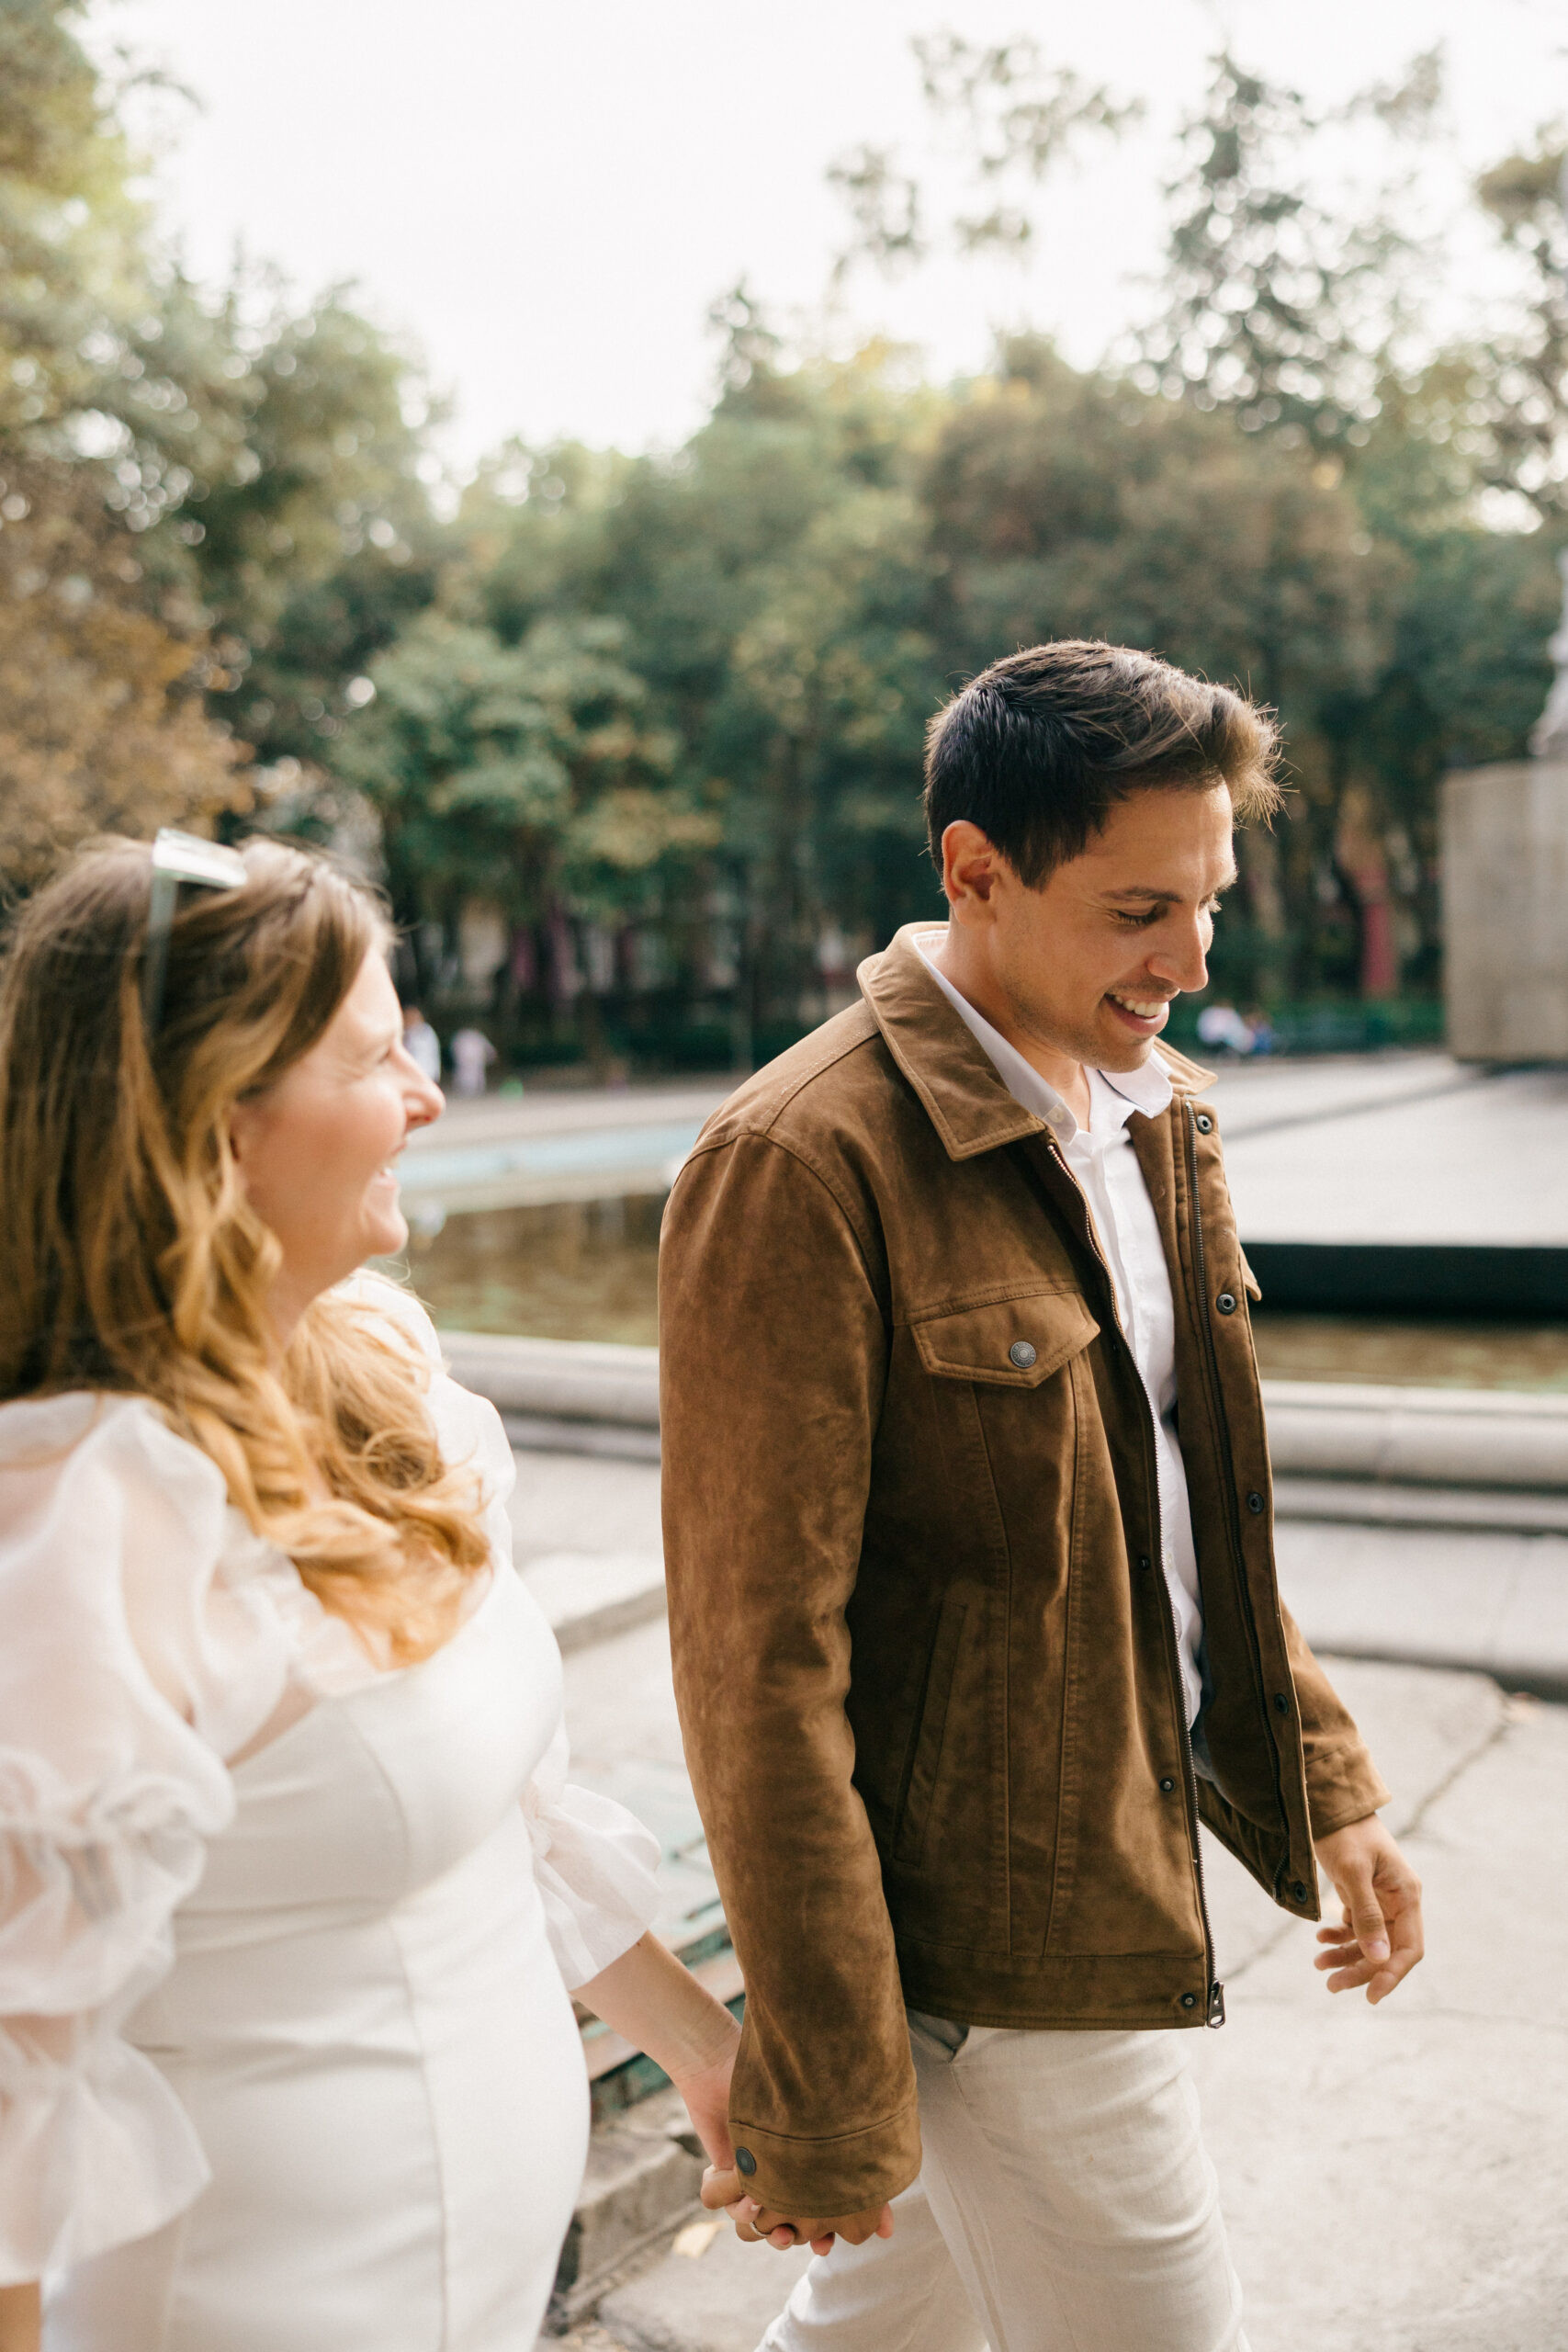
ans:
(1506, 892)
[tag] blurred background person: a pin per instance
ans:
(421, 1044)
(472, 1055)
(1222, 1026)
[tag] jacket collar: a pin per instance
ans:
(960, 1086)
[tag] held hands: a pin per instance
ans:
(724, 2191)
(1378, 1939)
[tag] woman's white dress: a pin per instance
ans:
(287, 2061)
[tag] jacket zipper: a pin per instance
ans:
(1214, 2013)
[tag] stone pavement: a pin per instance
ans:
(1395, 2178)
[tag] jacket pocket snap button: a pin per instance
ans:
(1189, 2000)
(1204, 1124)
(1021, 1354)
(1226, 1302)
(1254, 1503)
(1166, 1785)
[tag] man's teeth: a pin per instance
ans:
(1145, 1011)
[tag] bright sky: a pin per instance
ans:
(546, 199)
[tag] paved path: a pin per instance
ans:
(1394, 2178)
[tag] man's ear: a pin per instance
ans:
(970, 862)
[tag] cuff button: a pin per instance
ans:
(745, 2161)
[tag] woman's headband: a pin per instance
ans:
(176, 858)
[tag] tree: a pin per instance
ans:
(1526, 399)
(104, 655)
(527, 777)
(1279, 307)
(1018, 116)
(102, 724)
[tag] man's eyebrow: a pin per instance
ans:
(1169, 897)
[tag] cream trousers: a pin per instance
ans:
(1067, 2204)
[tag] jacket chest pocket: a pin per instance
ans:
(1015, 1341)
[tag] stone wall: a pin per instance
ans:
(1505, 912)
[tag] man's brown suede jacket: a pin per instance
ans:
(924, 1652)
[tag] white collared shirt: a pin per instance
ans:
(1102, 1158)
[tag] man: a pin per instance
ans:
(971, 1584)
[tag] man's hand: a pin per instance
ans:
(726, 2192)
(1379, 1940)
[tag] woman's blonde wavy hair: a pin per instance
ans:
(131, 1260)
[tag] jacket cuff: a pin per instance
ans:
(824, 2180)
(1343, 1789)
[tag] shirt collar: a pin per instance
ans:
(1147, 1088)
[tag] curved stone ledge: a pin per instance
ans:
(1443, 1437)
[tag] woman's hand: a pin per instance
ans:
(726, 2191)
(648, 1996)
(705, 2089)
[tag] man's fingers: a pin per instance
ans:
(1364, 1917)
(1353, 1959)
(721, 2189)
(1409, 1946)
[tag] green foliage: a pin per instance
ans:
(662, 717)
(1279, 309)
(526, 774)
(1019, 116)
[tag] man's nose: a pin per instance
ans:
(1180, 960)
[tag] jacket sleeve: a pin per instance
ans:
(774, 1352)
(1343, 1783)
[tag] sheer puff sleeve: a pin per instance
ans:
(595, 1867)
(124, 1679)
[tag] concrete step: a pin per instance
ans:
(644, 2169)
(589, 1596)
(1474, 1510)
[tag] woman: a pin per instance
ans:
(292, 1886)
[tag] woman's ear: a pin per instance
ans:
(241, 1131)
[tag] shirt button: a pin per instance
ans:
(1226, 1302)
(1166, 1785)
(745, 2161)
(1021, 1354)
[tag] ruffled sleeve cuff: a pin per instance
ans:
(596, 1866)
(91, 2157)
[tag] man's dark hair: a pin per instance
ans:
(1038, 748)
